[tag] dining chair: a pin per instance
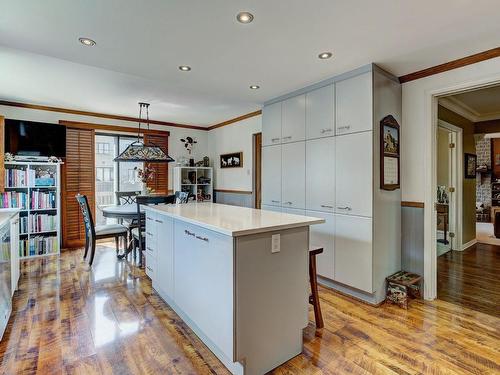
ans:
(126, 197)
(139, 232)
(181, 196)
(98, 232)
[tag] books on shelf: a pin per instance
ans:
(42, 223)
(14, 199)
(17, 177)
(38, 245)
(42, 200)
(23, 224)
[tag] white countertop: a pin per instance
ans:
(233, 220)
(6, 214)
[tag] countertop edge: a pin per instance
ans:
(236, 233)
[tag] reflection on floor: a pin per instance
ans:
(485, 234)
(471, 278)
(108, 320)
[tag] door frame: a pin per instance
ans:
(456, 177)
(257, 169)
(430, 167)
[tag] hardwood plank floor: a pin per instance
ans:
(471, 279)
(68, 319)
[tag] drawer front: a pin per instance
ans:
(151, 234)
(150, 266)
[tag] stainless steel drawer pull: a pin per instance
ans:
(323, 131)
(326, 206)
(149, 268)
(159, 221)
(345, 127)
(149, 249)
(149, 234)
(287, 137)
(189, 233)
(275, 139)
(345, 208)
(289, 203)
(202, 238)
(148, 218)
(275, 201)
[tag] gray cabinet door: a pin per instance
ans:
(353, 104)
(320, 112)
(320, 174)
(271, 124)
(293, 127)
(323, 235)
(293, 185)
(271, 175)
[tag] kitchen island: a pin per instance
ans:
(237, 276)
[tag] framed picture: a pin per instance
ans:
(389, 154)
(470, 165)
(234, 160)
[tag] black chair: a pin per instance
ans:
(126, 197)
(93, 233)
(138, 233)
(181, 196)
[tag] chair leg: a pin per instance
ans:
(92, 252)
(86, 247)
(117, 243)
(318, 317)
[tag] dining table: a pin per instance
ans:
(122, 212)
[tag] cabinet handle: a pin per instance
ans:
(149, 234)
(323, 131)
(326, 206)
(202, 238)
(189, 233)
(287, 137)
(148, 218)
(345, 127)
(275, 139)
(275, 201)
(289, 203)
(159, 221)
(148, 248)
(149, 268)
(345, 208)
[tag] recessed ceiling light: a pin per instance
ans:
(254, 87)
(87, 42)
(185, 68)
(325, 55)
(244, 17)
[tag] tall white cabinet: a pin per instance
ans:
(320, 157)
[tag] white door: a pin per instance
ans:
(294, 119)
(271, 124)
(353, 104)
(353, 252)
(320, 112)
(164, 272)
(293, 186)
(320, 174)
(354, 174)
(323, 235)
(271, 175)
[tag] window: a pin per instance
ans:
(113, 176)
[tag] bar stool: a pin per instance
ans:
(314, 297)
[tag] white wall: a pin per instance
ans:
(175, 146)
(234, 138)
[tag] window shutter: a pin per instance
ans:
(160, 178)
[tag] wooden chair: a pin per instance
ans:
(313, 279)
(138, 233)
(93, 233)
(181, 196)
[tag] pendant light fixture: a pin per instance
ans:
(140, 152)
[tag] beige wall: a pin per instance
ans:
(443, 156)
(468, 184)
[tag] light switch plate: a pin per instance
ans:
(275, 240)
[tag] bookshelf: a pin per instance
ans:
(198, 181)
(34, 188)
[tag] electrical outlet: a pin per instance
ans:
(275, 240)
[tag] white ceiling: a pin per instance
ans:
(139, 49)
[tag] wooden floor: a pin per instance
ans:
(471, 278)
(69, 320)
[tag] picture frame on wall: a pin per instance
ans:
(233, 160)
(470, 165)
(389, 154)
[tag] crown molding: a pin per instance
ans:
(462, 109)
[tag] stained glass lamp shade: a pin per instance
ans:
(140, 152)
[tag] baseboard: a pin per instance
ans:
(468, 244)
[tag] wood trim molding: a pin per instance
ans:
(233, 191)
(236, 119)
(96, 114)
(112, 128)
(412, 204)
(450, 65)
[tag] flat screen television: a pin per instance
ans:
(35, 138)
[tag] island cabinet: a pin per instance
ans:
(339, 177)
(238, 277)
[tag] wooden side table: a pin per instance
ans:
(401, 286)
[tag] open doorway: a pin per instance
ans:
(468, 198)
